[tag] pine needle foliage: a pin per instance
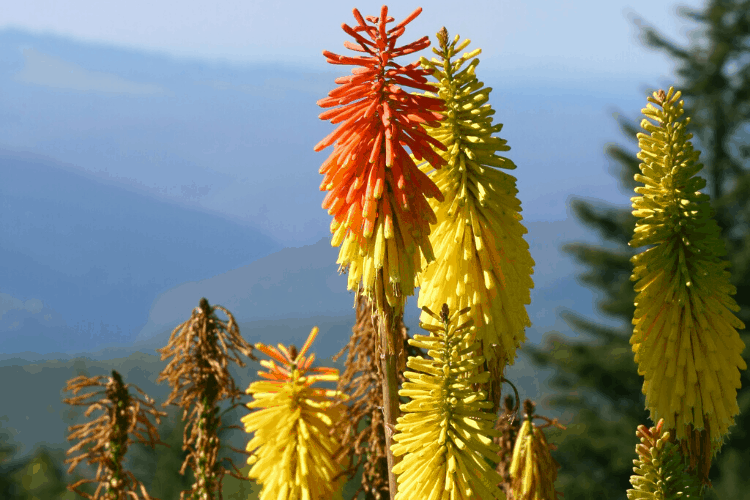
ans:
(445, 434)
(482, 260)
(685, 336)
(294, 456)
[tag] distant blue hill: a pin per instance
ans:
(298, 283)
(81, 260)
(234, 138)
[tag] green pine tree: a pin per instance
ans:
(8, 450)
(597, 377)
(41, 477)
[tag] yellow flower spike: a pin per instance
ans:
(445, 433)
(660, 471)
(685, 336)
(481, 258)
(533, 471)
(293, 454)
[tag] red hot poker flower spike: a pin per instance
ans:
(376, 193)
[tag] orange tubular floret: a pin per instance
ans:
(359, 18)
(338, 114)
(275, 371)
(377, 191)
(284, 350)
(407, 20)
(382, 20)
(353, 46)
(429, 187)
(283, 371)
(359, 60)
(272, 353)
(375, 153)
(308, 362)
(309, 341)
(360, 39)
(357, 183)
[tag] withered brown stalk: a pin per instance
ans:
(201, 349)
(109, 435)
(363, 380)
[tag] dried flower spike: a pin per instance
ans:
(376, 195)
(685, 336)
(109, 435)
(445, 433)
(294, 455)
(201, 349)
(660, 471)
(482, 260)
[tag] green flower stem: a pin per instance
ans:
(391, 351)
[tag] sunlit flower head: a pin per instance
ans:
(293, 453)
(377, 195)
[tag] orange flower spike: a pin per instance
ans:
(369, 175)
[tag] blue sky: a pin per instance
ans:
(585, 35)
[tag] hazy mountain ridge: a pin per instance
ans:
(175, 136)
(93, 255)
(304, 282)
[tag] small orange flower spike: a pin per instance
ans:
(377, 195)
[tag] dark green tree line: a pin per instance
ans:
(596, 377)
